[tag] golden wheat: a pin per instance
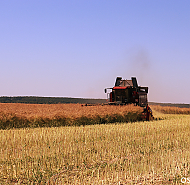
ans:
(154, 152)
(44, 115)
(67, 110)
(171, 110)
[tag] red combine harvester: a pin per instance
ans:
(127, 92)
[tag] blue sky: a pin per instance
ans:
(77, 48)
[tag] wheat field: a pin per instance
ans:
(155, 152)
(68, 110)
(171, 110)
(17, 115)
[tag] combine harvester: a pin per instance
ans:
(128, 92)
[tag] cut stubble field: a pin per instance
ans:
(155, 152)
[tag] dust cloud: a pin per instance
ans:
(139, 65)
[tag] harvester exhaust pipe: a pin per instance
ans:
(117, 82)
(134, 80)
